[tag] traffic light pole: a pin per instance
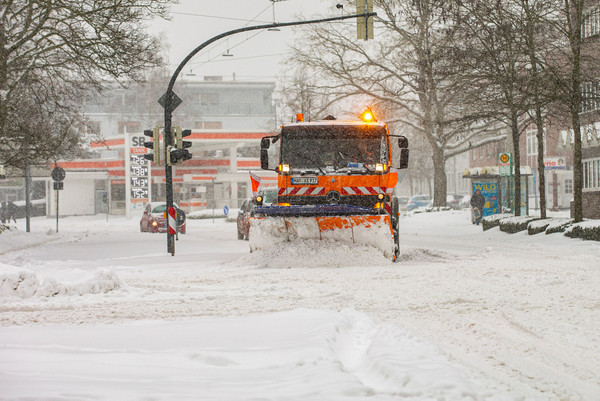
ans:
(168, 104)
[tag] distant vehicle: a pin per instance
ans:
(403, 202)
(465, 202)
(419, 201)
(154, 221)
(243, 225)
(454, 201)
(268, 196)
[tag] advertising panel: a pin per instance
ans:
(489, 190)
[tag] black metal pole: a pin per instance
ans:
(57, 199)
(169, 94)
(27, 197)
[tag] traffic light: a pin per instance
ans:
(179, 135)
(154, 145)
(175, 156)
(364, 26)
(178, 152)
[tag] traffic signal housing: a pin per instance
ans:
(176, 156)
(178, 153)
(179, 135)
(364, 26)
(154, 134)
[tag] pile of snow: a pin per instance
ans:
(213, 213)
(27, 284)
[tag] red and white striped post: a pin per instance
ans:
(172, 221)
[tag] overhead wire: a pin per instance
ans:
(229, 48)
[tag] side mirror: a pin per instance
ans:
(403, 142)
(403, 163)
(264, 159)
(265, 143)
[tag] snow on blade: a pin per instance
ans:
(280, 233)
(317, 253)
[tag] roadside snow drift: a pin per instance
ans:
(296, 355)
(26, 284)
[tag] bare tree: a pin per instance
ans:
(570, 67)
(51, 50)
(498, 45)
(406, 69)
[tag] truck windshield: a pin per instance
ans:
(333, 146)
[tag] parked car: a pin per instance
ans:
(402, 202)
(465, 202)
(154, 221)
(268, 196)
(243, 223)
(418, 201)
(454, 201)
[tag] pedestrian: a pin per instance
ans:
(11, 212)
(3, 212)
(477, 202)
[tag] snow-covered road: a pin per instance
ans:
(466, 314)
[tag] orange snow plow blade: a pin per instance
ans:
(373, 230)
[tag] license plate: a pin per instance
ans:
(305, 180)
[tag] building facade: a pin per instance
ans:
(227, 119)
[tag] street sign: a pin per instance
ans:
(226, 210)
(58, 174)
(175, 100)
(58, 185)
(505, 164)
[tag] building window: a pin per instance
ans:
(209, 99)
(591, 174)
(129, 127)
(213, 125)
(208, 125)
(532, 143)
(568, 186)
(591, 23)
(590, 96)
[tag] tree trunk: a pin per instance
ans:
(540, 160)
(575, 39)
(439, 178)
(517, 163)
(577, 168)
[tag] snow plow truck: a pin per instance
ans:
(335, 181)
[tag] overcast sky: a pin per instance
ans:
(256, 55)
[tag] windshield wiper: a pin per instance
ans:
(312, 161)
